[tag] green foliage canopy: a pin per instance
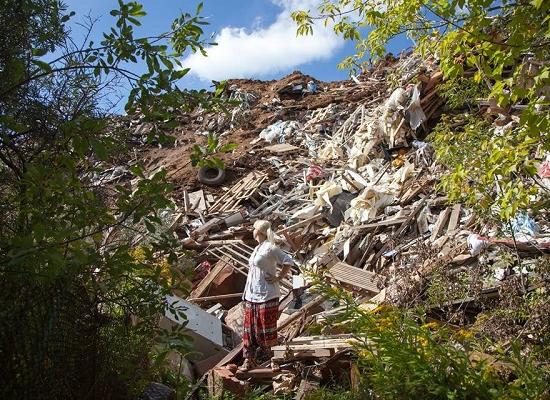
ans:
(78, 257)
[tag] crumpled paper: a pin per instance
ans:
(325, 192)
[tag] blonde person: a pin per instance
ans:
(261, 295)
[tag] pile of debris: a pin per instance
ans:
(344, 174)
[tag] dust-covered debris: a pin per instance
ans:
(346, 173)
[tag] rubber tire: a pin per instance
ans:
(205, 176)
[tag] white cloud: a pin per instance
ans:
(261, 51)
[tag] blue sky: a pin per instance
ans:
(256, 38)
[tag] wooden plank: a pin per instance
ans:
(382, 224)
(440, 224)
(307, 347)
(189, 243)
(215, 298)
(323, 338)
(281, 148)
(257, 374)
(455, 216)
(305, 222)
(341, 344)
(355, 277)
(186, 202)
(202, 287)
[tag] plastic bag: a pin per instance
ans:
(416, 114)
(524, 227)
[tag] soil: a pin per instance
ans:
(269, 107)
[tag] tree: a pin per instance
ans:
(502, 48)
(77, 257)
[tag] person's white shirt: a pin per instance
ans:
(263, 263)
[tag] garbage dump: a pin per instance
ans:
(347, 177)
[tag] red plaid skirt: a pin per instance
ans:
(260, 327)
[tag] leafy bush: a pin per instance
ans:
(401, 358)
(205, 156)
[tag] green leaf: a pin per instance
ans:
(226, 148)
(167, 62)
(212, 143)
(134, 21)
(150, 227)
(44, 66)
(217, 162)
(220, 88)
(99, 148)
(39, 52)
(180, 73)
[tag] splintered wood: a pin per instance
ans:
(243, 190)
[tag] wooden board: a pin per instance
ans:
(281, 148)
(202, 287)
(356, 277)
(382, 224)
(440, 224)
(307, 347)
(455, 217)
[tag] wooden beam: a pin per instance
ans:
(215, 298)
(440, 224)
(455, 217)
(382, 224)
(305, 222)
(257, 374)
(281, 148)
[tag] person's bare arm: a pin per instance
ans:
(286, 261)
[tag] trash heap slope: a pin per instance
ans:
(347, 175)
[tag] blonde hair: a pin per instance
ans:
(264, 227)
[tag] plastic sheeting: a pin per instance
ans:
(279, 130)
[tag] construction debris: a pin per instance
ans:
(361, 211)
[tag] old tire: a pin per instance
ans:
(211, 176)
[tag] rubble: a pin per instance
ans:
(351, 187)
